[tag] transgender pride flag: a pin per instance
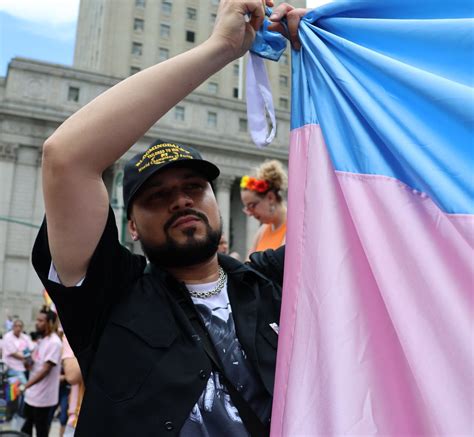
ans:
(376, 334)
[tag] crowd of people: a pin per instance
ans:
(41, 380)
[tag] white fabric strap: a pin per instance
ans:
(54, 277)
(259, 102)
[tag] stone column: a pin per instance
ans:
(223, 186)
(18, 275)
(252, 228)
(34, 284)
(22, 203)
(7, 170)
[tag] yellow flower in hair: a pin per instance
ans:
(244, 181)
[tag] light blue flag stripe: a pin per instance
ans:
(393, 92)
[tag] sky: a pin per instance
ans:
(44, 30)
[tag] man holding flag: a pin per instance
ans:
(187, 344)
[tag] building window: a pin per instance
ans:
(283, 102)
(163, 54)
(190, 36)
(191, 13)
(211, 119)
(138, 25)
(166, 7)
(137, 49)
(242, 125)
(235, 93)
(179, 113)
(73, 94)
(213, 18)
(236, 69)
(284, 58)
(140, 3)
(165, 31)
(213, 87)
(134, 70)
(283, 80)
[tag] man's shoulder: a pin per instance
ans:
(264, 269)
(8, 340)
(53, 340)
(270, 263)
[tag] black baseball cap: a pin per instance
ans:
(158, 156)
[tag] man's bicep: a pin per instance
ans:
(76, 211)
(47, 366)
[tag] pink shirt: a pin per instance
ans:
(13, 344)
(67, 351)
(45, 393)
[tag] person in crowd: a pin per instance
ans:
(72, 373)
(223, 246)
(186, 344)
(42, 387)
(63, 397)
(62, 405)
(263, 198)
(8, 323)
(17, 348)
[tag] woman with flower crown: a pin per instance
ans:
(263, 198)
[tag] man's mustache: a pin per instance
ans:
(182, 213)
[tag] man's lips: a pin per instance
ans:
(187, 219)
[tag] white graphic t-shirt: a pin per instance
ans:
(215, 414)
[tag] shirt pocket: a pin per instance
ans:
(127, 352)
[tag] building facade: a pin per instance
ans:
(122, 38)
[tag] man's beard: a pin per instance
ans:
(173, 254)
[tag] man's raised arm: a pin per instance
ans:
(92, 139)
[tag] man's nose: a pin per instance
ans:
(180, 200)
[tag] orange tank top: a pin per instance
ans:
(271, 239)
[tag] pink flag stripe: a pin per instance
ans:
(376, 327)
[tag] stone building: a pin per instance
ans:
(119, 38)
(36, 97)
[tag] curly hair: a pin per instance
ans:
(273, 172)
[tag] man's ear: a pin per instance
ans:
(132, 229)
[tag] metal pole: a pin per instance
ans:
(18, 222)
